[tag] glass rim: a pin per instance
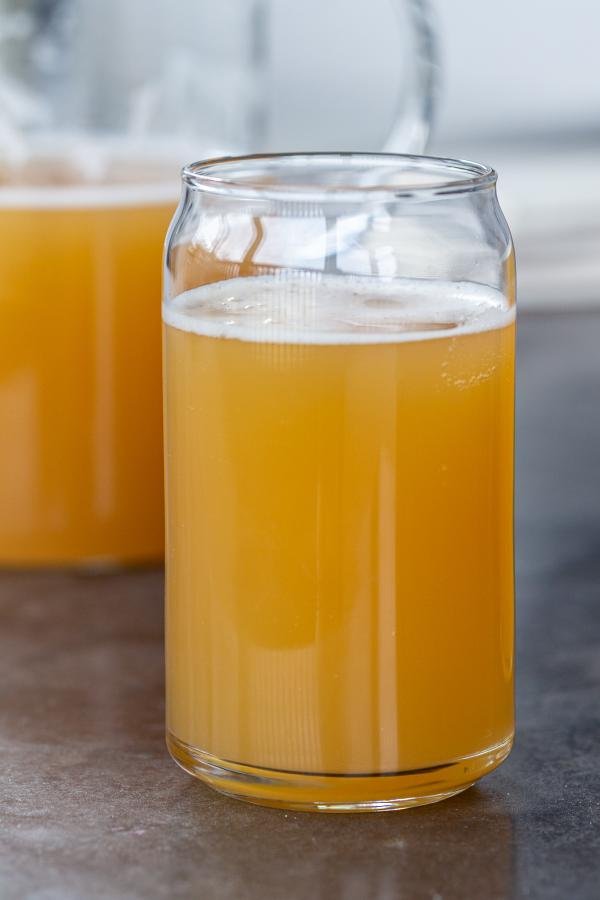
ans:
(215, 176)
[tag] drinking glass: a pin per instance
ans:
(339, 405)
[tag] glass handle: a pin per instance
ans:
(410, 132)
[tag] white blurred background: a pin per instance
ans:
(519, 88)
(508, 69)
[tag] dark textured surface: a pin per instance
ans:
(93, 808)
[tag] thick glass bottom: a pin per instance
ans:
(337, 793)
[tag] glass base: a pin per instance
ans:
(337, 793)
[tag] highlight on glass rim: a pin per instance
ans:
(270, 426)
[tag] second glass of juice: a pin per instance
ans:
(80, 413)
(339, 393)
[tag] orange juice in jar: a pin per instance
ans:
(339, 458)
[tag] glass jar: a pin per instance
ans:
(100, 104)
(339, 406)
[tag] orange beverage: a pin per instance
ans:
(339, 524)
(80, 413)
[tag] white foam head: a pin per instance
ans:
(326, 309)
(75, 170)
(88, 197)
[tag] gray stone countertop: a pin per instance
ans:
(92, 807)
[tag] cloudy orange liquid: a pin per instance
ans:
(80, 410)
(339, 532)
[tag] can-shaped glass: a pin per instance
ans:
(339, 428)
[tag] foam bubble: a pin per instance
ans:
(327, 309)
